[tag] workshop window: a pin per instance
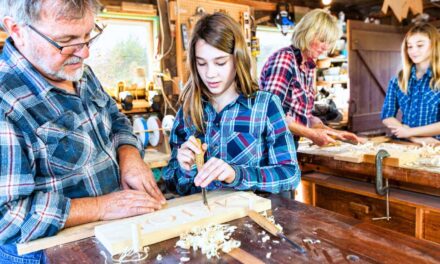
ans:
(271, 39)
(126, 46)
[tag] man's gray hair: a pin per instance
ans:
(29, 11)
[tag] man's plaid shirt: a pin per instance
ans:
(250, 134)
(54, 146)
(283, 75)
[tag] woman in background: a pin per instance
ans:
(247, 143)
(290, 73)
(416, 89)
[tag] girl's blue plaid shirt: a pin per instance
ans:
(420, 106)
(251, 135)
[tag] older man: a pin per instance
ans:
(65, 149)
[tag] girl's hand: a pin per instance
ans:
(401, 131)
(187, 151)
(214, 169)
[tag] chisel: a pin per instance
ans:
(271, 228)
(200, 160)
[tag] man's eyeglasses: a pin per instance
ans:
(72, 48)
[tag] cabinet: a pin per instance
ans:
(414, 214)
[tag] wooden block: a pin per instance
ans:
(378, 140)
(170, 223)
(355, 157)
(397, 158)
(87, 230)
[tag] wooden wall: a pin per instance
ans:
(373, 59)
(185, 14)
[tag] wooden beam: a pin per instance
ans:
(256, 5)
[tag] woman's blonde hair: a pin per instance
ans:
(224, 33)
(316, 24)
(434, 36)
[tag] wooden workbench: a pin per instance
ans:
(349, 188)
(341, 238)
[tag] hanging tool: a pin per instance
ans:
(271, 228)
(200, 160)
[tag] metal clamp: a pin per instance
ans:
(380, 188)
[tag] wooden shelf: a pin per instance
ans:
(325, 83)
(156, 159)
(139, 106)
(335, 60)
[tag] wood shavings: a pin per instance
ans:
(265, 238)
(268, 255)
(276, 241)
(311, 241)
(209, 239)
(159, 257)
(272, 220)
(184, 259)
(248, 225)
(130, 255)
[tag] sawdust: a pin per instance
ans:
(209, 239)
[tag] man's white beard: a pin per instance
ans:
(61, 75)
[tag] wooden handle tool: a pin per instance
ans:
(200, 160)
(271, 228)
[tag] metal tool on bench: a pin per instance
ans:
(200, 160)
(271, 228)
(380, 188)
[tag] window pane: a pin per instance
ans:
(123, 48)
(271, 39)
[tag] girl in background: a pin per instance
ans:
(248, 145)
(416, 89)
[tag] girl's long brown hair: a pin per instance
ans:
(224, 33)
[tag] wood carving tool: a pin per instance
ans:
(271, 228)
(200, 160)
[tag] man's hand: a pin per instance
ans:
(125, 203)
(214, 169)
(348, 136)
(136, 175)
(322, 136)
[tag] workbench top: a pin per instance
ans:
(340, 237)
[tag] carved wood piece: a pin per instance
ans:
(170, 223)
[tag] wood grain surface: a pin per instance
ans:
(342, 240)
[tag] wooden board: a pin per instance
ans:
(397, 158)
(186, 15)
(171, 222)
(87, 230)
(352, 156)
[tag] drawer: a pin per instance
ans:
(431, 226)
(403, 218)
